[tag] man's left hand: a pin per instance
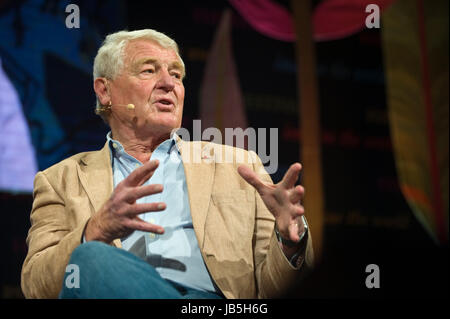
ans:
(282, 199)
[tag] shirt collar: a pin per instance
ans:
(167, 145)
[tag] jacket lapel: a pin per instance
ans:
(199, 168)
(95, 173)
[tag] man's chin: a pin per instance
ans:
(162, 128)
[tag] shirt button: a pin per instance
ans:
(151, 235)
(151, 221)
(115, 145)
(136, 165)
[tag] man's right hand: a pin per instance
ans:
(118, 217)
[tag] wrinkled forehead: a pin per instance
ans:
(142, 51)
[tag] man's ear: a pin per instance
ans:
(102, 91)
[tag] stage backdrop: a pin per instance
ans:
(366, 217)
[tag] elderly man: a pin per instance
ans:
(141, 219)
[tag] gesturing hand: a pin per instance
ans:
(118, 217)
(282, 199)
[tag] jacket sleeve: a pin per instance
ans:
(50, 242)
(274, 272)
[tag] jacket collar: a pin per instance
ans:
(95, 173)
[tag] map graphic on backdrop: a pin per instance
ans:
(17, 160)
(50, 67)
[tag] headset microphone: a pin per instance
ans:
(109, 106)
(128, 106)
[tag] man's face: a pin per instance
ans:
(151, 79)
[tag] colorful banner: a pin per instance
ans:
(415, 45)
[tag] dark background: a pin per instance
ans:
(367, 220)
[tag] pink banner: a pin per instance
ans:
(332, 19)
(267, 17)
(336, 19)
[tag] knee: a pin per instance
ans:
(87, 252)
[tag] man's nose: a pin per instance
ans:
(165, 81)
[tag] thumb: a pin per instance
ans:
(250, 177)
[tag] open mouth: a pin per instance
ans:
(165, 105)
(165, 102)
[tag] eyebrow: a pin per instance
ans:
(174, 65)
(145, 61)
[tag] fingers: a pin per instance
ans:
(139, 224)
(141, 174)
(291, 176)
(299, 210)
(250, 177)
(137, 192)
(291, 229)
(297, 194)
(137, 209)
(293, 232)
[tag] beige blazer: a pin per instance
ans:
(234, 229)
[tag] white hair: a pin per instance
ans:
(108, 62)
